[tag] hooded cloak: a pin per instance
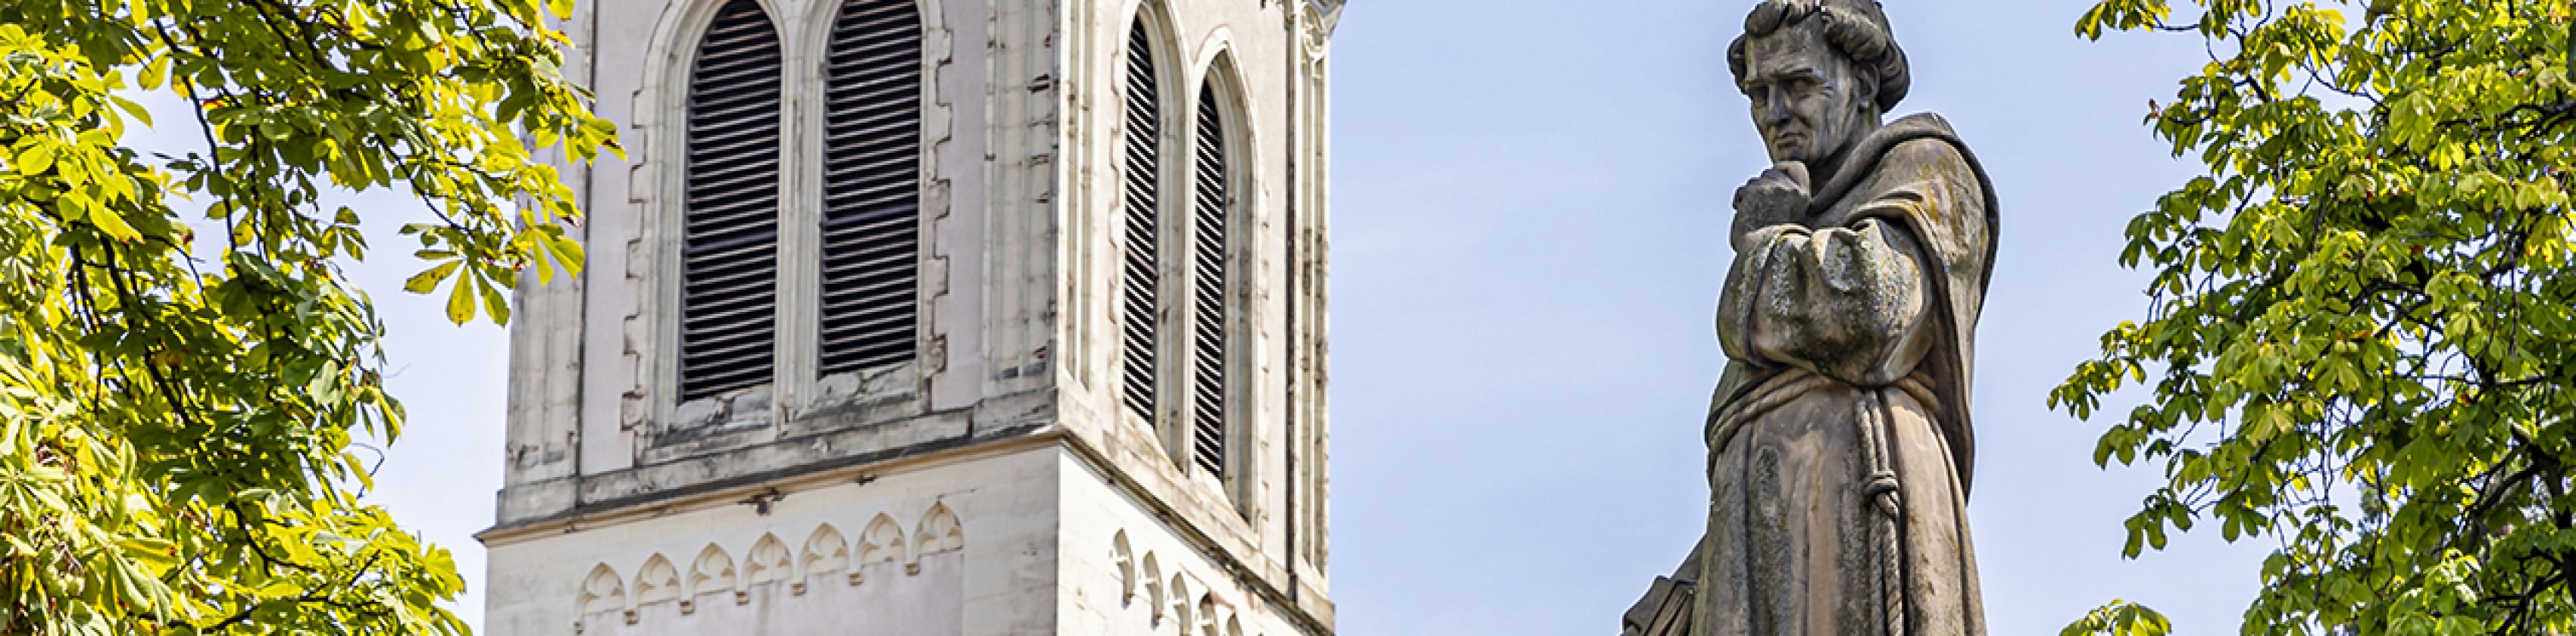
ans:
(1959, 248)
(1840, 444)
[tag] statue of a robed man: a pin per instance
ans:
(1839, 441)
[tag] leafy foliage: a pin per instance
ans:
(2362, 335)
(2121, 618)
(178, 411)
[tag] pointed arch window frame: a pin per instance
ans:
(685, 142)
(1182, 68)
(1216, 73)
(653, 257)
(1153, 21)
(872, 356)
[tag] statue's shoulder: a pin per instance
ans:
(1923, 138)
(1923, 148)
(1907, 150)
(1924, 142)
(1929, 121)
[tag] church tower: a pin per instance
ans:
(932, 318)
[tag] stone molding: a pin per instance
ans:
(603, 594)
(887, 445)
(1230, 548)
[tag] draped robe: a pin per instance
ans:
(1839, 441)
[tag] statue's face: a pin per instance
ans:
(1808, 102)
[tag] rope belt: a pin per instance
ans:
(1870, 413)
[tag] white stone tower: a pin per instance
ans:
(930, 318)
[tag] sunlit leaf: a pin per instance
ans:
(428, 280)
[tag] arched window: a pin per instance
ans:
(1210, 200)
(729, 230)
(871, 187)
(1140, 201)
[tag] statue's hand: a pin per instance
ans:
(1776, 197)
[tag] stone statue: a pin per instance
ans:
(1839, 440)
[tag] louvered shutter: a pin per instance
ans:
(871, 187)
(729, 242)
(1140, 270)
(1208, 286)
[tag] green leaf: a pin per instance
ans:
(132, 109)
(35, 159)
(279, 588)
(460, 299)
(428, 280)
(153, 552)
(497, 303)
(113, 223)
(154, 72)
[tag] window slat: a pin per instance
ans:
(1208, 285)
(869, 312)
(1141, 274)
(729, 244)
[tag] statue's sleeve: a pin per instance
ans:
(1852, 301)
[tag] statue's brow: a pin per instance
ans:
(1802, 71)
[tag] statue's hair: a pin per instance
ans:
(1855, 28)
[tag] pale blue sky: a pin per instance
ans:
(1528, 216)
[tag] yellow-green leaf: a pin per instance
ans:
(154, 72)
(497, 303)
(109, 220)
(460, 298)
(36, 159)
(131, 108)
(428, 280)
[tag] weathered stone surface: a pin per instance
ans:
(1839, 441)
(991, 484)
